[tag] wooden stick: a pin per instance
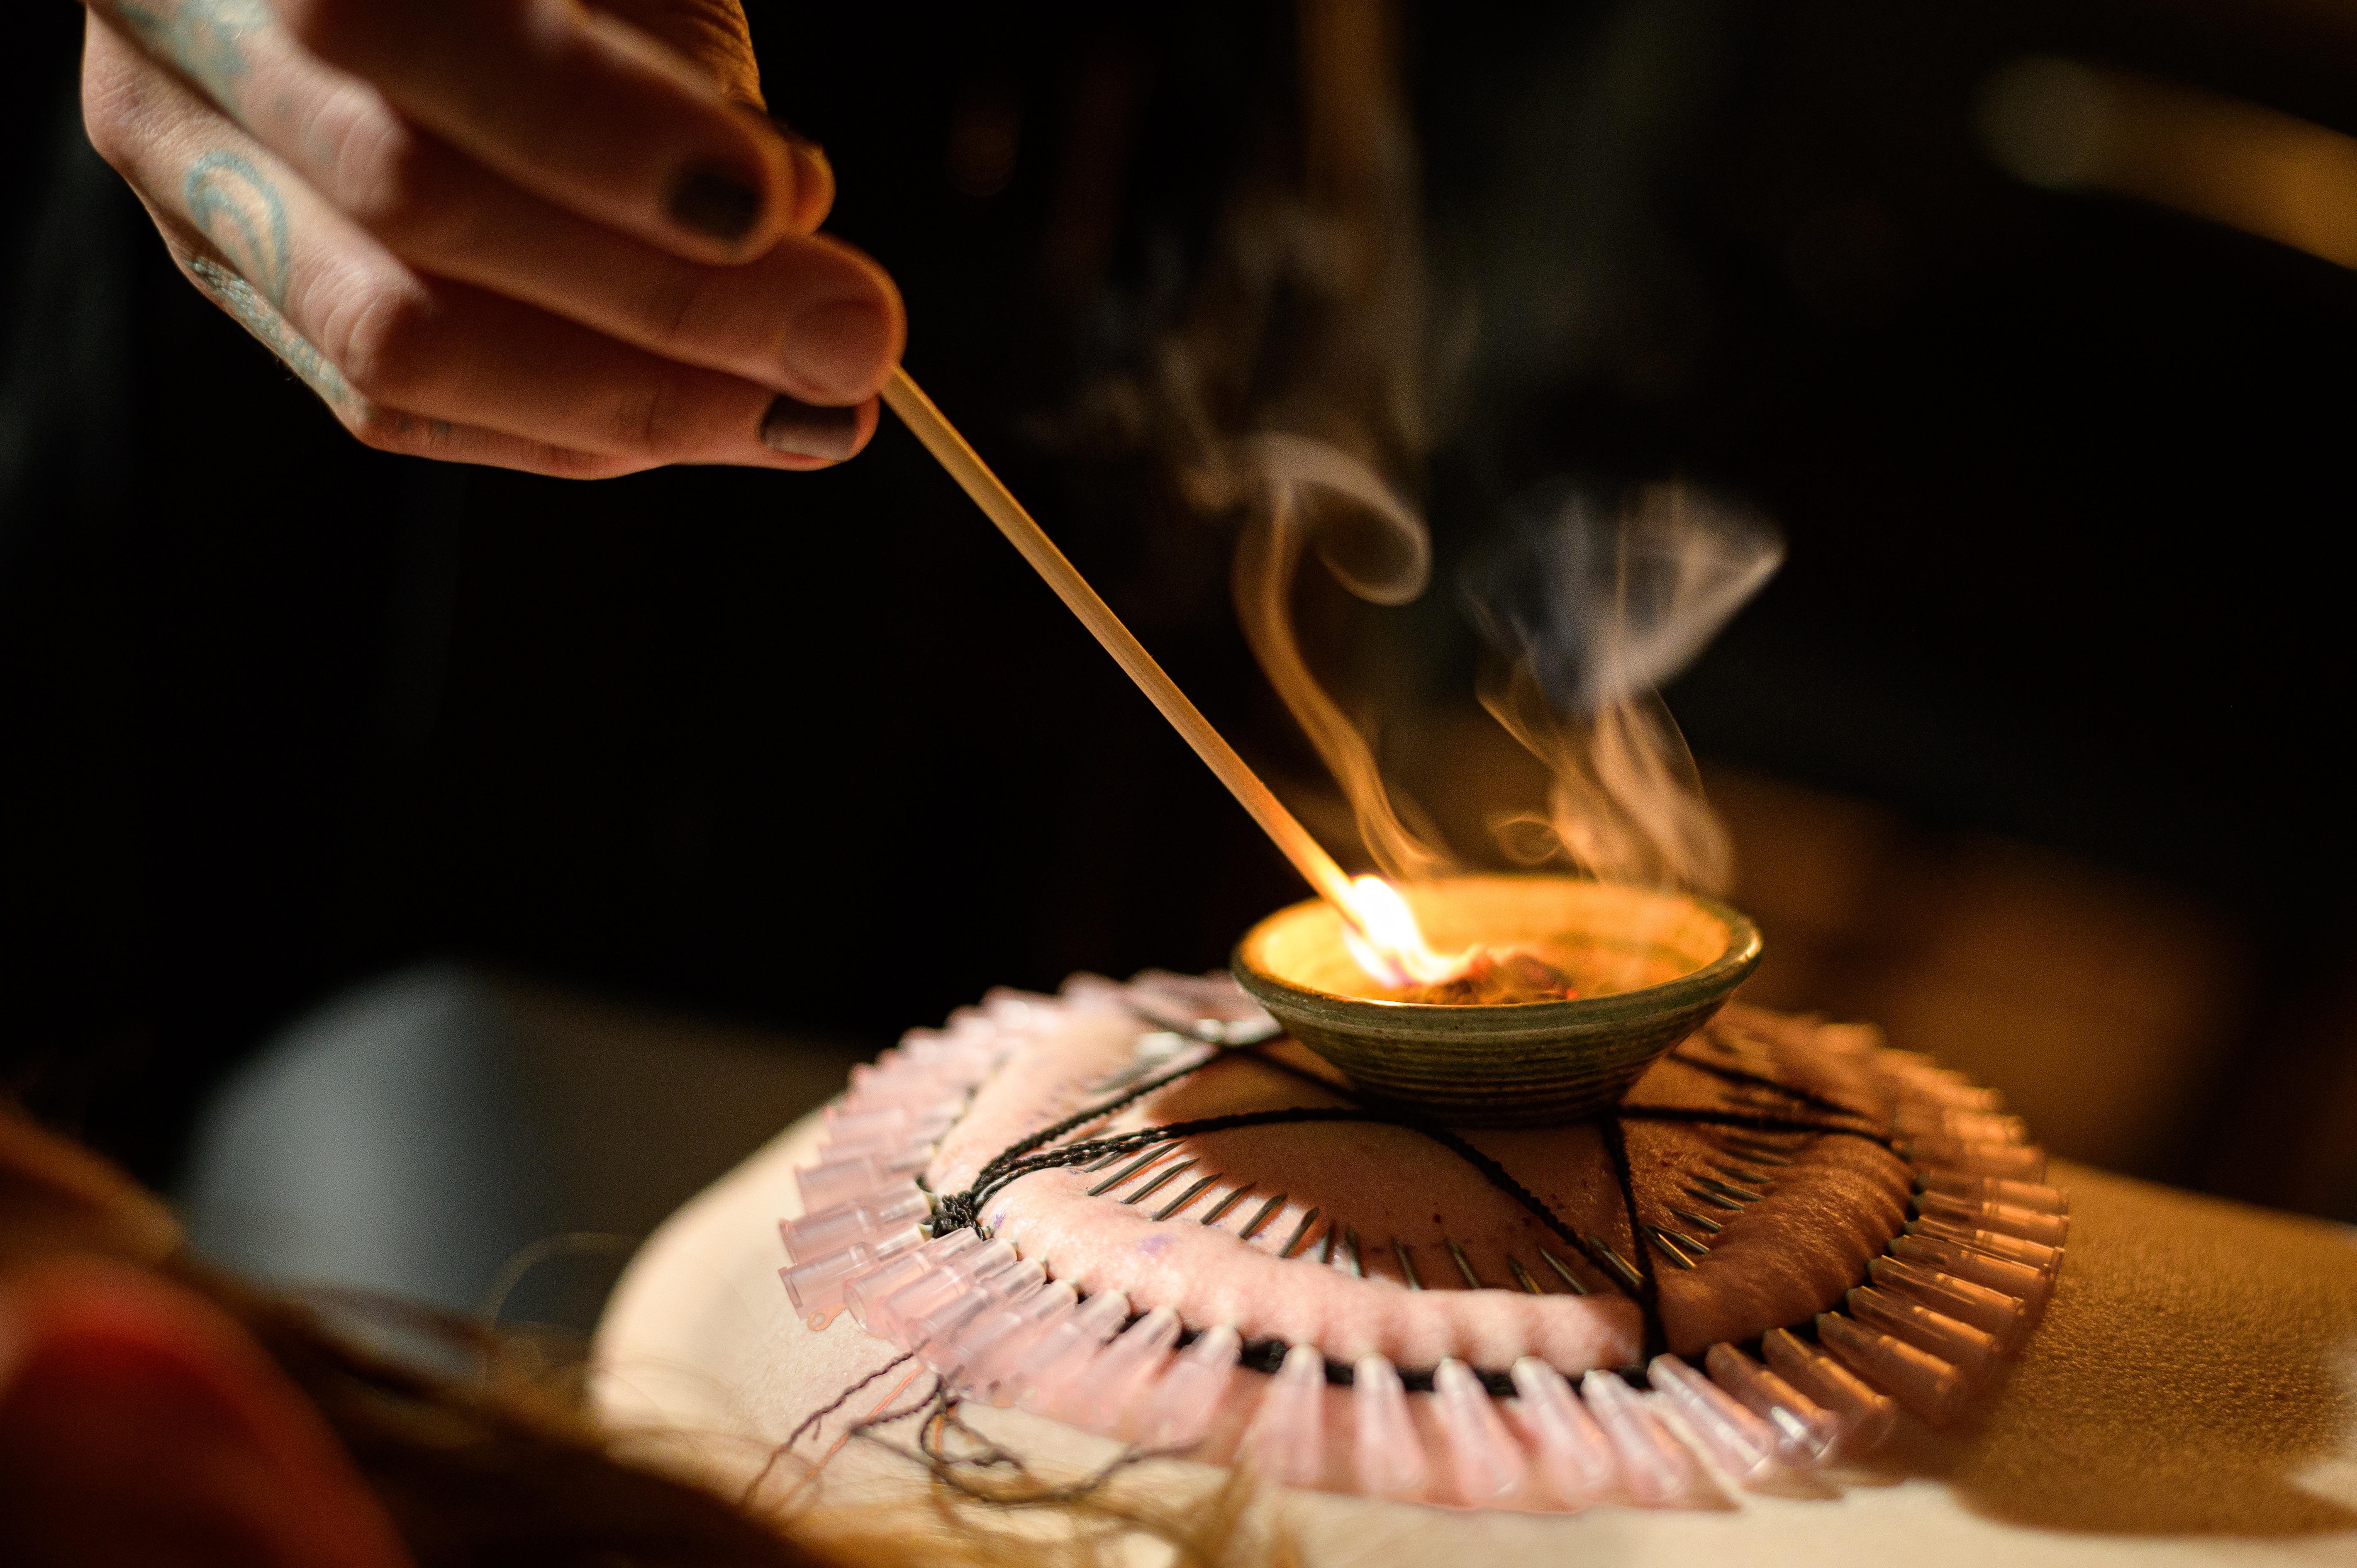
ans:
(974, 475)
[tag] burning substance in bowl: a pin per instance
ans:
(1646, 967)
(1486, 1000)
(1387, 943)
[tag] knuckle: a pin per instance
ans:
(382, 432)
(393, 430)
(112, 102)
(109, 131)
(388, 345)
(380, 170)
(374, 425)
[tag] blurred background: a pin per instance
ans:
(2030, 325)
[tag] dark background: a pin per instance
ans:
(2064, 479)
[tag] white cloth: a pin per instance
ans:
(2189, 1399)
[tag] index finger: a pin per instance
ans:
(576, 106)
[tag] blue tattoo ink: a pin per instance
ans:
(205, 38)
(256, 314)
(240, 211)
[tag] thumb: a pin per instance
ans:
(713, 35)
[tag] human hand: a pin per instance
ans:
(519, 232)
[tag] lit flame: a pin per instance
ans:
(1389, 944)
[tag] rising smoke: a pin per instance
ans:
(1294, 395)
(1297, 491)
(1590, 607)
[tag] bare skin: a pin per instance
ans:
(529, 233)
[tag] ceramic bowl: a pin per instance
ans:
(1651, 968)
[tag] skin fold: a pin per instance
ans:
(519, 232)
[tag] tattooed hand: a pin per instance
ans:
(522, 232)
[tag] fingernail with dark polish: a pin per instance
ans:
(713, 200)
(801, 430)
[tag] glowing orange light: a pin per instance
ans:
(1393, 950)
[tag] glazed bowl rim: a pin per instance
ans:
(1716, 978)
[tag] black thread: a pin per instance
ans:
(930, 1397)
(1649, 1289)
(962, 1211)
(814, 1417)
